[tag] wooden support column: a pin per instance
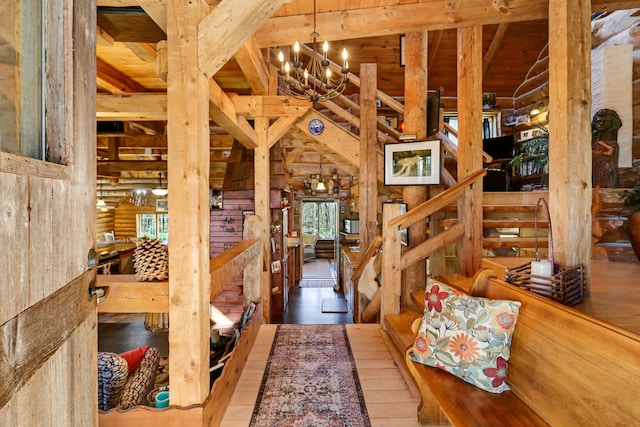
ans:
(261, 189)
(188, 201)
(415, 122)
(470, 146)
(570, 136)
(368, 160)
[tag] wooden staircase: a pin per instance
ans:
(513, 216)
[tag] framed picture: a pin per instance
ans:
(215, 199)
(276, 266)
(402, 49)
(161, 205)
(412, 163)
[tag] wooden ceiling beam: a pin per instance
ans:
(253, 66)
(131, 166)
(435, 37)
(270, 106)
(227, 27)
(157, 10)
(218, 142)
(496, 41)
(223, 111)
(334, 137)
(115, 81)
(131, 107)
(405, 18)
(279, 128)
(336, 158)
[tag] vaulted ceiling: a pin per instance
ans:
(131, 44)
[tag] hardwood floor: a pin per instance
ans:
(391, 400)
(615, 294)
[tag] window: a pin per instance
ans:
(153, 226)
(319, 217)
(490, 120)
(32, 116)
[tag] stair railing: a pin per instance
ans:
(394, 222)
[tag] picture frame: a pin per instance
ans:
(161, 205)
(276, 266)
(412, 163)
(402, 49)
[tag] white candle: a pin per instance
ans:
(542, 268)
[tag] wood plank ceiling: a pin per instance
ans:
(132, 150)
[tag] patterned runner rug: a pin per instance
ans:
(310, 380)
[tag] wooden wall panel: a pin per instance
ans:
(13, 229)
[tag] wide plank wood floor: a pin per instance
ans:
(391, 399)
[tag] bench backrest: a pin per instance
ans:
(569, 367)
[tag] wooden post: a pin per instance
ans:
(252, 289)
(391, 253)
(470, 146)
(570, 136)
(188, 201)
(415, 122)
(261, 188)
(368, 160)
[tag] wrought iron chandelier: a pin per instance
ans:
(313, 82)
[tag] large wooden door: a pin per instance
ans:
(48, 338)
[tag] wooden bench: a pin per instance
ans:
(566, 369)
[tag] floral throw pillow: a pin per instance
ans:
(469, 337)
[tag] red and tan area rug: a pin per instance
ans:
(310, 380)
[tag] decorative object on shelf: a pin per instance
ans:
(138, 196)
(412, 163)
(160, 190)
(533, 154)
(632, 198)
(313, 82)
(604, 148)
(215, 199)
(151, 260)
(276, 226)
(545, 277)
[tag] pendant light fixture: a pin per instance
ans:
(160, 190)
(101, 204)
(313, 82)
(321, 185)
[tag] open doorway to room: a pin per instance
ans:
(319, 223)
(317, 299)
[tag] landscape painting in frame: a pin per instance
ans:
(412, 163)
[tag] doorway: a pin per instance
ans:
(319, 226)
(317, 299)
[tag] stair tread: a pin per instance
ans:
(399, 328)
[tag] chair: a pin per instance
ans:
(309, 246)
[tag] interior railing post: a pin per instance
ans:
(391, 253)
